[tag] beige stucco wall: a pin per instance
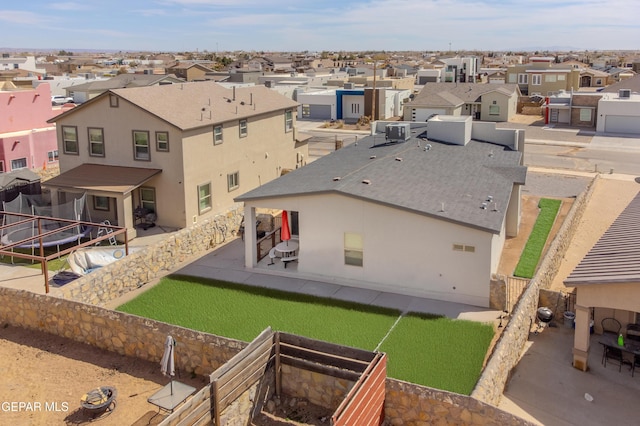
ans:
(192, 159)
(410, 253)
(623, 296)
(507, 104)
(259, 157)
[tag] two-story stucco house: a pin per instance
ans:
(541, 76)
(180, 151)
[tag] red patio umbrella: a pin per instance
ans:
(285, 233)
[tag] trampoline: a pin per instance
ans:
(54, 232)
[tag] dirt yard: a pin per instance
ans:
(45, 376)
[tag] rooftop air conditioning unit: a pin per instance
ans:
(269, 83)
(624, 93)
(348, 86)
(397, 132)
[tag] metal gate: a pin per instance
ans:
(514, 288)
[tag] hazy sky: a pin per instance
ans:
(279, 25)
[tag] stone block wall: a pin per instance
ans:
(141, 267)
(318, 389)
(507, 350)
(407, 404)
(197, 352)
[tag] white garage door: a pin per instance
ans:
(622, 124)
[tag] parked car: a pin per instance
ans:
(61, 100)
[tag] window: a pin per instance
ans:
(464, 248)
(550, 78)
(288, 120)
(523, 78)
(141, 145)
(561, 77)
(70, 140)
(52, 156)
(18, 163)
(148, 199)
(204, 198)
(513, 78)
(494, 109)
(306, 110)
(598, 82)
(536, 79)
(585, 114)
(1, 166)
(243, 128)
(217, 135)
(113, 101)
(233, 181)
(100, 203)
(96, 142)
(353, 249)
(355, 108)
(162, 141)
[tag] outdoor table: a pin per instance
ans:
(171, 395)
(632, 348)
(288, 250)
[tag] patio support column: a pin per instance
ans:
(250, 237)
(581, 338)
(124, 209)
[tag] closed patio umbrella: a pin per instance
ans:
(285, 233)
(167, 364)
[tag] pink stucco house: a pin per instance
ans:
(26, 139)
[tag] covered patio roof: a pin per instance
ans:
(104, 178)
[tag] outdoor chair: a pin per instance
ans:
(273, 254)
(611, 325)
(636, 363)
(613, 354)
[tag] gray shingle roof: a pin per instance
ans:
(615, 258)
(125, 80)
(461, 177)
(453, 94)
(199, 104)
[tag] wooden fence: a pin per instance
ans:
(363, 405)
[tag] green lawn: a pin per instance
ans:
(530, 256)
(421, 349)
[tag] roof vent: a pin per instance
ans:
(490, 198)
(398, 158)
(366, 181)
(490, 153)
(337, 178)
(483, 206)
(372, 157)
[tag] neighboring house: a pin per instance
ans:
(87, 91)
(20, 181)
(278, 64)
(419, 216)
(191, 71)
(632, 84)
(607, 282)
(351, 104)
(459, 69)
(486, 102)
(179, 151)
(616, 74)
(27, 140)
(541, 76)
(593, 78)
(574, 109)
(619, 113)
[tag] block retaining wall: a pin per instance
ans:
(506, 353)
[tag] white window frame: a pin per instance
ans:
(16, 166)
(536, 79)
(353, 249)
(70, 138)
(204, 200)
(52, 156)
(233, 181)
(243, 128)
(550, 78)
(217, 135)
(288, 121)
(494, 109)
(585, 114)
(96, 141)
(523, 78)
(137, 153)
